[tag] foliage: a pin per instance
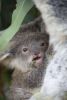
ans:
(22, 8)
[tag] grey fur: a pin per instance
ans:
(25, 83)
(54, 13)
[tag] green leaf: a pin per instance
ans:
(22, 8)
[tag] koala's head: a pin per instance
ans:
(29, 51)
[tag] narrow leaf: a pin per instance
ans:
(22, 8)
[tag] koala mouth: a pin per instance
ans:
(36, 58)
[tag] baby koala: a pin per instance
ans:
(28, 51)
(28, 57)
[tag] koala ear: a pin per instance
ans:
(4, 56)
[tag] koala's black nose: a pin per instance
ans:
(36, 53)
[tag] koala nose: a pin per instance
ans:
(36, 54)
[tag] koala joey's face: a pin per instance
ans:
(30, 52)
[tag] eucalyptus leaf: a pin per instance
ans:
(22, 8)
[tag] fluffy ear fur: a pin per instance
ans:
(54, 13)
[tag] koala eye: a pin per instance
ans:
(25, 49)
(42, 44)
